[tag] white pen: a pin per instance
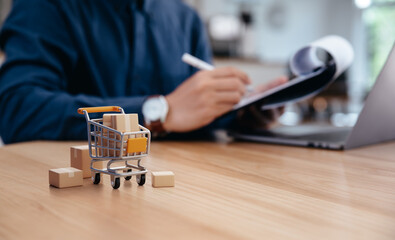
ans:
(196, 62)
(202, 65)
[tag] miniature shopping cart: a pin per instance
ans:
(108, 144)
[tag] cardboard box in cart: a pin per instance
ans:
(120, 122)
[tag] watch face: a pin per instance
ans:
(152, 109)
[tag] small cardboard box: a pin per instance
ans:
(162, 179)
(65, 177)
(107, 142)
(125, 122)
(80, 159)
(107, 119)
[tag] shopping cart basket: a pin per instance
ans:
(108, 144)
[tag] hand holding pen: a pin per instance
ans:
(251, 117)
(202, 65)
(203, 97)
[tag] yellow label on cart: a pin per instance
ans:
(137, 145)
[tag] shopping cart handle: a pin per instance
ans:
(100, 109)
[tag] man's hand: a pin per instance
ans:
(253, 117)
(204, 97)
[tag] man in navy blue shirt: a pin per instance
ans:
(66, 54)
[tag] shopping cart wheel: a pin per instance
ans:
(140, 179)
(128, 177)
(115, 183)
(96, 178)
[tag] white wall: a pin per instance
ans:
(303, 21)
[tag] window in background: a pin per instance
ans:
(379, 18)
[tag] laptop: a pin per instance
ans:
(375, 124)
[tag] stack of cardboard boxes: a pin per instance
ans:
(80, 163)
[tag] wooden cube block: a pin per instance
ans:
(65, 177)
(162, 179)
(136, 145)
(80, 159)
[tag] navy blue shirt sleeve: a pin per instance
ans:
(34, 103)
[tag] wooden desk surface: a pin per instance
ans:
(233, 191)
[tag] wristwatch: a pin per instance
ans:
(155, 110)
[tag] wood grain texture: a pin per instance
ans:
(223, 191)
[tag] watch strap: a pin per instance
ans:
(156, 127)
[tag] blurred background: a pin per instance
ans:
(259, 36)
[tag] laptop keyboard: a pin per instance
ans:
(329, 135)
(337, 136)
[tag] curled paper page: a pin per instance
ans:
(314, 67)
(340, 49)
